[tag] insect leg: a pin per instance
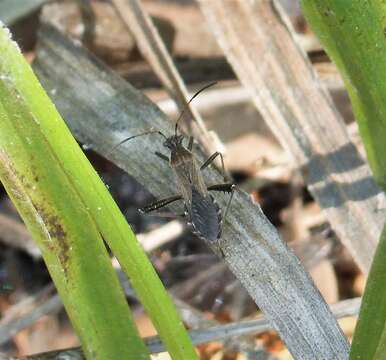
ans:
(167, 215)
(211, 159)
(226, 187)
(229, 203)
(162, 156)
(190, 144)
(160, 203)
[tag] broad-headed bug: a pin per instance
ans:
(204, 215)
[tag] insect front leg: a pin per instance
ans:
(162, 156)
(211, 159)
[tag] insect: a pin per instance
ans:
(203, 213)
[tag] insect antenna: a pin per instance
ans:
(191, 99)
(138, 135)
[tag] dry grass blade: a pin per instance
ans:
(102, 109)
(302, 115)
(158, 237)
(12, 11)
(18, 319)
(207, 70)
(15, 234)
(217, 333)
(155, 52)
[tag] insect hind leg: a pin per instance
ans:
(167, 215)
(225, 187)
(160, 204)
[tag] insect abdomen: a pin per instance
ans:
(205, 216)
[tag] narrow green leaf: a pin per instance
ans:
(353, 33)
(43, 192)
(106, 215)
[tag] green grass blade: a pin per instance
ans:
(353, 33)
(57, 217)
(108, 218)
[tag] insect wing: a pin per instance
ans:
(205, 216)
(188, 175)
